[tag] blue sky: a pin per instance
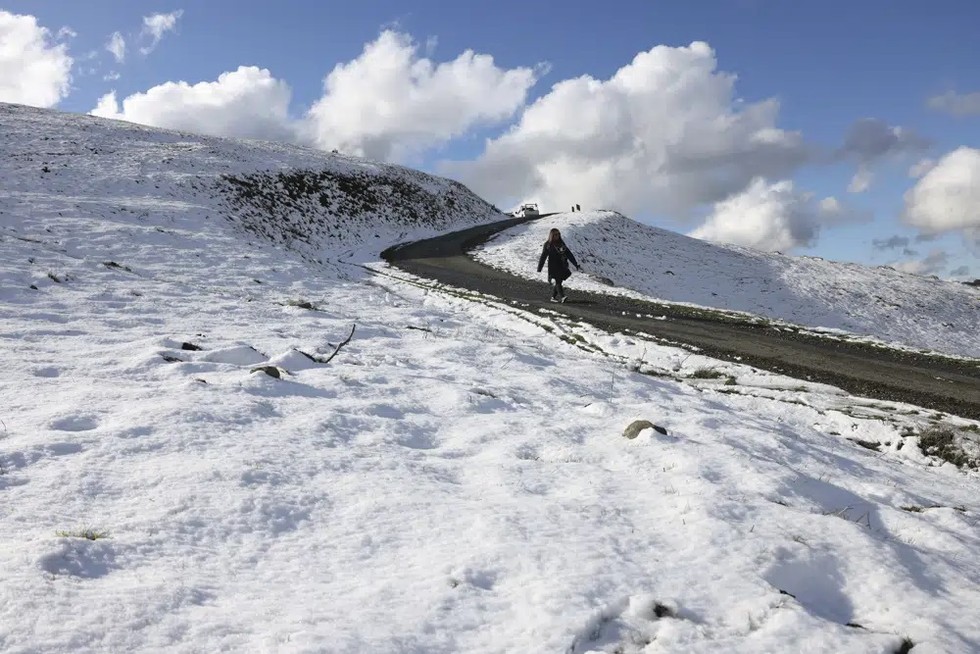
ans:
(829, 64)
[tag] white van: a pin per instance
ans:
(527, 211)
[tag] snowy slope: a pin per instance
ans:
(455, 479)
(80, 168)
(881, 303)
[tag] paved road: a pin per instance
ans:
(934, 382)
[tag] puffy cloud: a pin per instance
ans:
(386, 104)
(663, 134)
(891, 243)
(156, 25)
(34, 68)
(932, 264)
(961, 271)
(116, 45)
(771, 217)
(861, 181)
(870, 140)
(956, 104)
(947, 198)
(247, 103)
(389, 103)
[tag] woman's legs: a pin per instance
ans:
(558, 292)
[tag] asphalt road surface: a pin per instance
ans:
(934, 382)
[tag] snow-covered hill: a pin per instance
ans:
(452, 479)
(66, 170)
(879, 303)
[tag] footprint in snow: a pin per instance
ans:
(48, 371)
(527, 452)
(481, 579)
(74, 423)
(62, 449)
(385, 411)
(79, 557)
(418, 440)
(629, 625)
(815, 580)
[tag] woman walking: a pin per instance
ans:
(558, 255)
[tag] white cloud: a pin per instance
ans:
(34, 69)
(921, 167)
(386, 104)
(947, 198)
(247, 103)
(116, 45)
(156, 25)
(663, 134)
(932, 264)
(111, 77)
(108, 107)
(389, 103)
(770, 217)
(956, 104)
(869, 141)
(861, 181)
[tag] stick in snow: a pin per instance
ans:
(350, 336)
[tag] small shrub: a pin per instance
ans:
(706, 373)
(869, 445)
(87, 534)
(943, 441)
(113, 265)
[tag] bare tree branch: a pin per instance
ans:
(350, 336)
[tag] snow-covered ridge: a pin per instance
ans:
(325, 205)
(880, 303)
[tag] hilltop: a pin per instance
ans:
(120, 176)
(621, 255)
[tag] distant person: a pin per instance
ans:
(558, 256)
(578, 207)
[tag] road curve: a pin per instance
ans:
(934, 382)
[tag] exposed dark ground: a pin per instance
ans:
(930, 381)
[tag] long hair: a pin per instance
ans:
(554, 237)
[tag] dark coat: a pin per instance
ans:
(558, 255)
